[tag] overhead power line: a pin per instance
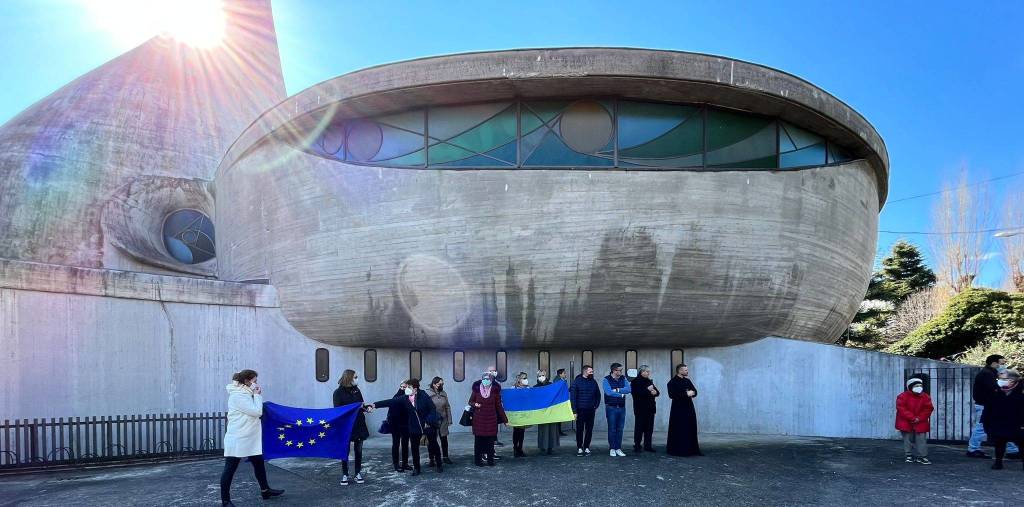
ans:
(1000, 229)
(940, 192)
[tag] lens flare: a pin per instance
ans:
(197, 23)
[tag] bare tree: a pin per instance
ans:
(920, 307)
(1013, 246)
(958, 245)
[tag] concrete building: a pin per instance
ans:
(170, 218)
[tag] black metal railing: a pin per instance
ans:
(951, 392)
(57, 442)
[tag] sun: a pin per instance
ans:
(198, 23)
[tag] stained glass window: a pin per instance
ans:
(660, 135)
(738, 140)
(798, 147)
(188, 236)
(837, 155)
(480, 135)
(567, 134)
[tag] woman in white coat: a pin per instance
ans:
(244, 437)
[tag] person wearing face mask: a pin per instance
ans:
(547, 434)
(519, 432)
(244, 436)
(644, 408)
(585, 397)
(564, 377)
(616, 387)
(488, 412)
(396, 423)
(913, 412)
(682, 421)
(985, 387)
(348, 393)
(1003, 417)
(419, 416)
(444, 412)
(492, 372)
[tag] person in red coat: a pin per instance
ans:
(913, 410)
(488, 412)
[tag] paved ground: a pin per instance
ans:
(738, 470)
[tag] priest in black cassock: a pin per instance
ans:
(682, 422)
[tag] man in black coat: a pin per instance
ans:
(985, 387)
(585, 398)
(644, 407)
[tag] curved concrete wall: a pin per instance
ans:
(505, 258)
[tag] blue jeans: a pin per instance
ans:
(978, 433)
(616, 421)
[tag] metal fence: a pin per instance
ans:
(41, 443)
(951, 392)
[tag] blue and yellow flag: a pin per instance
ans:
(290, 432)
(537, 405)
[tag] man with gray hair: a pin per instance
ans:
(644, 408)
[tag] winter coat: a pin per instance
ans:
(417, 417)
(910, 406)
(1003, 417)
(444, 411)
(985, 385)
(396, 416)
(584, 394)
(244, 436)
(347, 396)
(614, 398)
(489, 414)
(643, 401)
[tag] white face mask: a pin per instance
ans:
(541, 378)
(917, 389)
(1003, 382)
(1001, 368)
(355, 382)
(525, 382)
(408, 391)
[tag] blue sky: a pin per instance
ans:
(941, 81)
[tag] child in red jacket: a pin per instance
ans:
(913, 410)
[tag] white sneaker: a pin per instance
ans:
(344, 480)
(359, 478)
(586, 451)
(611, 453)
(619, 452)
(579, 452)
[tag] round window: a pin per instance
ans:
(188, 236)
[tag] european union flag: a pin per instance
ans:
(290, 432)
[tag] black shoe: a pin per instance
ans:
(977, 454)
(550, 452)
(490, 462)
(1013, 455)
(998, 465)
(439, 468)
(415, 473)
(431, 464)
(271, 492)
(406, 468)
(637, 448)
(480, 463)
(398, 469)
(448, 461)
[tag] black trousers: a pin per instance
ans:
(643, 429)
(1000, 445)
(414, 449)
(483, 446)
(518, 436)
(433, 449)
(584, 427)
(357, 446)
(396, 440)
(231, 464)
(444, 446)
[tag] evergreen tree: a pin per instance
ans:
(903, 273)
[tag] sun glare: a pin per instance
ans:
(198, 23)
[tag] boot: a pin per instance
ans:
(448, 461)
(271, 492)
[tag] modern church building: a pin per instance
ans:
(172, 217)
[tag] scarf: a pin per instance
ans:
(1007, 389)
(485, 391)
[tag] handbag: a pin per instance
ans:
(385, 428)
(467, 417)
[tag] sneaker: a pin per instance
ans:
(910, 459)
(977, 454)
(620, 453)
(586, 451)
(359, 478)
(579, 452)
(344, 480)
(612, 453)
(924, 461)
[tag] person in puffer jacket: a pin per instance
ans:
(244, 436)
(585, 397)
(913, 410)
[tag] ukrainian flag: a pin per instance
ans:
(537, 405)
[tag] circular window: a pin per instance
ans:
(188, 236)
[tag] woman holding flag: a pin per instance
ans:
(488, 412)
(519, 432)
(244, 436)
(420, 416)
(547, 434)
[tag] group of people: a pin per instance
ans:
(998, 411)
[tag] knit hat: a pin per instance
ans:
(913, 381)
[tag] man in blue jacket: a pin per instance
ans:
(585, 397)
(615, 391)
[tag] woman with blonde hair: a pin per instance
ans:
(244, 436)
(348, 393)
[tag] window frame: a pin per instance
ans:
(458, 376)
(367, 376)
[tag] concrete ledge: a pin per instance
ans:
(41, 277)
